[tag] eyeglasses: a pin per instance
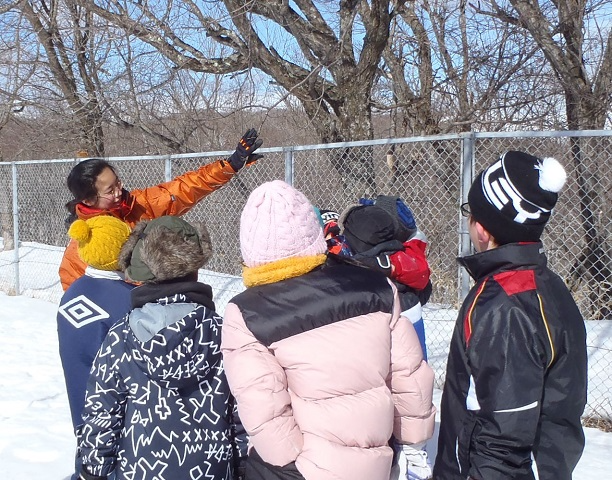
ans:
(465, 209)
(113, 192)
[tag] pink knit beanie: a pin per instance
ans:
(279, 222)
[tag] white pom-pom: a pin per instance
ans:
(552, 175)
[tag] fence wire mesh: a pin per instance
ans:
(432, 174)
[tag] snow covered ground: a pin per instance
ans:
(36, 440)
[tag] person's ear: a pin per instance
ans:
(484, 238)
(89, 203)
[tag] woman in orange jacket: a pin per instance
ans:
(97, 190)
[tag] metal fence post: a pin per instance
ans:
(467, 172)
(168, 168)
(289, 165)
(16, 228)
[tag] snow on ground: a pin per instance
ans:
(36, 439)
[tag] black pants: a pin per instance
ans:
(257, 469)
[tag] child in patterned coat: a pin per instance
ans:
(158, 403)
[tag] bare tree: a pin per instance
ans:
(583, 66)
(92, 79)
(14, 75)
(71, 62)
(325, 58)
(577, 43)
(15, 70)
(324, 54)
(453, 70)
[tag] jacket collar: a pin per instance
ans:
(280, 270)
(172, 293)
(85, 212)
(513, 256)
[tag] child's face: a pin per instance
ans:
(331, 229)
(473, 233)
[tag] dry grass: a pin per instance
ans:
(603, 424)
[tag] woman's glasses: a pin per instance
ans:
(465, 209)
(113, 191)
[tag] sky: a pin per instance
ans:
(36, 439)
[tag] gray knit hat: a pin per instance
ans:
(164, 249)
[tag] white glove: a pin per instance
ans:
(418, 466)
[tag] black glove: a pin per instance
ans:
(244, 151)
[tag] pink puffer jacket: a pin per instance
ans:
(323, 379)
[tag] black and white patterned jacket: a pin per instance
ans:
(158, 404)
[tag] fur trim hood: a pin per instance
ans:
(164, 249)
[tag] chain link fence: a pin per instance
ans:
(432, 174)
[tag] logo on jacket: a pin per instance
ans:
(81, 311)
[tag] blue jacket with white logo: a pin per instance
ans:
(87, 311)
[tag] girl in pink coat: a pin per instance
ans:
(322, 365)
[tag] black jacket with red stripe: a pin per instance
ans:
(517, 373)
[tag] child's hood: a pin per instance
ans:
(177, 344)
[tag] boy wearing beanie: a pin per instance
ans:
(91, 305)
(336, 243)
(517, 368)
(322, 365)
(158, 403)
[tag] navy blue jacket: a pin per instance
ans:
(87, 311)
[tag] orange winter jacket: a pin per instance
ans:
(175, 197)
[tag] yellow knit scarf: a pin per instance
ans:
(280, 270)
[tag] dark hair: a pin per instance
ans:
(82, 178)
